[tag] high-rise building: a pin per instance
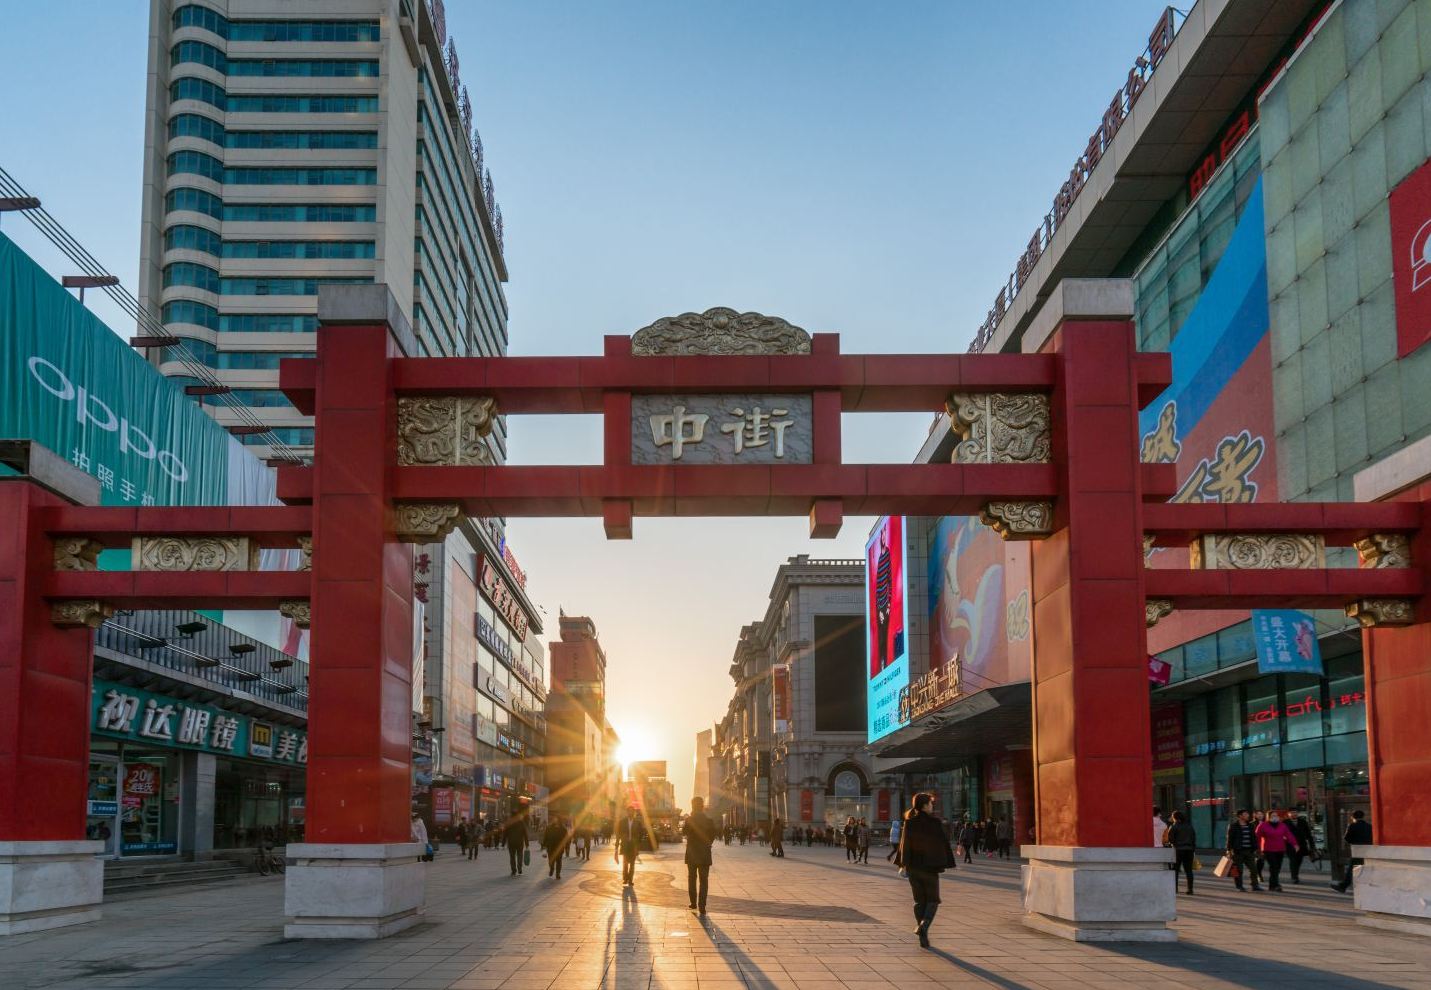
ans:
(296, 145)
(701, 784)
(582, 774)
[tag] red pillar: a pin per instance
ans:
(1023, 797)
(44, 685)
(360, 690)
(1092, 768)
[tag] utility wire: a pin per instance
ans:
(145, 319)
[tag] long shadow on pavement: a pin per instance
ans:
(1210, 962)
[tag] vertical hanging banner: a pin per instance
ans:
(1286, 642)
(780, 697)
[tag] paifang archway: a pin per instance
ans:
(1049, 453)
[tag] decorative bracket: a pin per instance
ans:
(1258, 551)
(77, 553)
(194, 553)
(720, 331)
(1381, 550)
(425, 522)
(1373, 612)
(1155, 609)
(80, 613)
(305, 547)
(299, 611)
(445, 430)
(1019, 520)
(1000, 427)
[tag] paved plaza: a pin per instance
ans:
(809, 922)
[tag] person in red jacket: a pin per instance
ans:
(1274, 839)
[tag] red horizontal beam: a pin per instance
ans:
(725, 490)
(1341, 523)
(180, 589)
(114, 526)
(1329, 588)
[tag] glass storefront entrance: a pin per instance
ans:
(149, 803)
(253, 801)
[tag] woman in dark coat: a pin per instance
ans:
(924, 853)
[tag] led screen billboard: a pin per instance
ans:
(886, 625)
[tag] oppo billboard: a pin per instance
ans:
(886, 624)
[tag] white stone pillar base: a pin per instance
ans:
(49, 884)
(353, 890)
(1096, 894)
(1393, 887)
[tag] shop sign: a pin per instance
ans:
(931, 691)
(510, 559)
(102, 809)
(498, 691)
(780, 696)
(442, 805)
(1160, 672)
(1119, 109)
(1411, 259)
(1168, 745)
(489, 638)
(999, 776)
(122, 712)
(807, 805)
(882, 805)
(503, 599)
(142, 780)
(1286, 642)
(1309, 705)
(484, 728)
(722, 429)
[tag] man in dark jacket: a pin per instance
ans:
(1306, 843)
(515, 836)
(700, 832)
(554, 841)
(924, 853)
(628, 836)
(1183, 838)
(1242, 848)
(777, 834)
(1358, 833)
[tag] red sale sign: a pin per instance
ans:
(1411, 259)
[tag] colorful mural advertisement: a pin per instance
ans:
(979, 608)
(886, 624)
(1216, 419)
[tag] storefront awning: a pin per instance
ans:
(988, 721)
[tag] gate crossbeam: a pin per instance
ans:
(1279, 588)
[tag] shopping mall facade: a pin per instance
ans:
(1262, 184)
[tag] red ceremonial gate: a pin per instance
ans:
(718, 413)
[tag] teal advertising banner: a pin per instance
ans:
(123, 712)
(70, 383)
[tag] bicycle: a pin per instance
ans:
(267, 861)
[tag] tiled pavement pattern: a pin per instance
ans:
(808, 922)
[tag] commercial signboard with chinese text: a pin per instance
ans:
(1167, 723)
(886, 625)
(1286, 642)
(123, 712)
(780, 696)
(722, 429)
(1410, 204)
(495, 589)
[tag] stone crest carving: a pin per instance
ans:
(445, 430)
(194, 553)
(720, 331)
(1258, 551)
(1019, 520)
(77, 553)
(1155, 609)
(78, 613)
(305, 547)
(1384, 550)
(299, 611)
(1372, 612)
(1000, 427)
(425, 522)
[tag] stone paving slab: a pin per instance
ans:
(808, 922)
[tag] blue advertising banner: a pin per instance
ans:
(886, 626)
(1286, 642)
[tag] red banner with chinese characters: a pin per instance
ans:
(807, 805)
(442, 806)
(1167, 722)
(142, 780)
(882, 805)
(1411, 259)
(780, 693)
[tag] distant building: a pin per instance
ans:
(701, 787)
(582, 775)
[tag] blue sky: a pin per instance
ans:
(868, 168)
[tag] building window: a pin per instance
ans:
(267, 323)
(839, 674)
(294, 176)
(195, 201)
(197, 51)
(192, 15)
(324, 140)
(282, 286)
(196, 126)
(295, 104)
(190, 274)
(188, 311)
(299, 213)
(201, 90)
(292, 436)
(187, 238)
(314, 68)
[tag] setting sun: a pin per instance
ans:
(638, 742)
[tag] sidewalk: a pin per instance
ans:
(808, 922)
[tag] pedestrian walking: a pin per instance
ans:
(894, 830)
(628, 846)
(699, 831)
(554, 845)
(1003, 837)
(1274, 841)
(968, 835)
(924, 853)
(851, 834)
(777, 834)
(418, 833)
(1358, 833)
(516, 838)
(862, 841)
(1182, 837)
(463, 835)
(1306, 843)
(1242, 849)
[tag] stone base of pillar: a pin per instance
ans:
(1393, 888)
(1093, 894)
(353, 890)
(49, 884)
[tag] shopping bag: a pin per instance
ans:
(526, 857)
(1197, 865)
(1223, 867)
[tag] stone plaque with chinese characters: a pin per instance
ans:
(721, 429)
